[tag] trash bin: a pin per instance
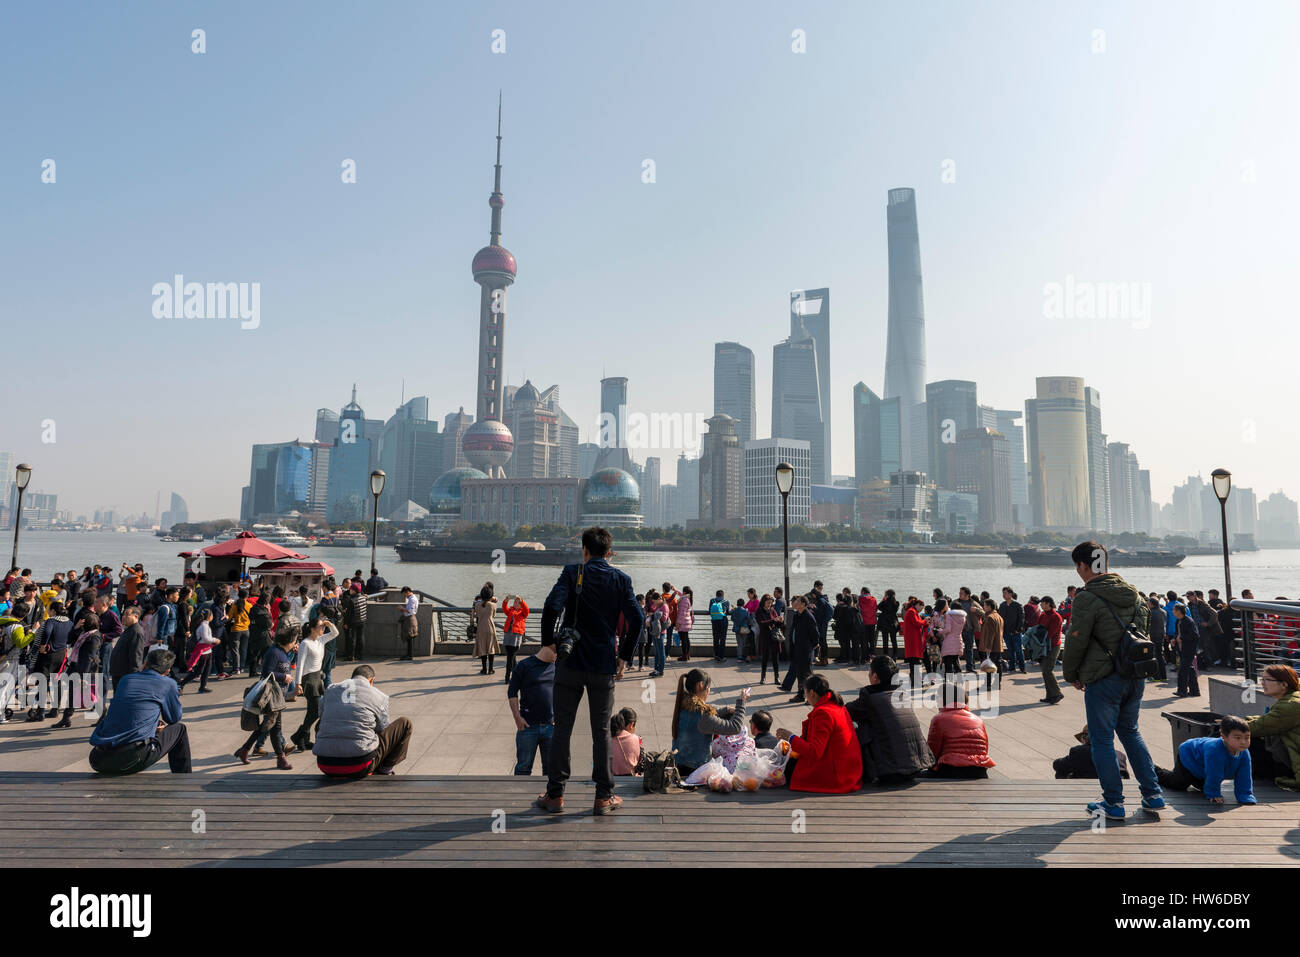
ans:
(1185, 725)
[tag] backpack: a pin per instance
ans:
(1138, 656)
(654, 624)
(659, 770)
(717, 609)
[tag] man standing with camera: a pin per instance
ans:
(587, 599)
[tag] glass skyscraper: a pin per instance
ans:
(905, 343)
(733, 386)
(796, 402)
(810, 316)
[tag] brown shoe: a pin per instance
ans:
(259, 752)
(608, 805)
(282, 763)
(290, 748)
(553, 805)
(242, 754)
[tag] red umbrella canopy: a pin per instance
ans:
(248, 545)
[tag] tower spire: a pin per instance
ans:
(496, 201)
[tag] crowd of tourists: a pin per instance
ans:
(151, 640)
(147, 641)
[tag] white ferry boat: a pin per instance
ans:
(351, 539)
(279, 535)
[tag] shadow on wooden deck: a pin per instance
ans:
(262, 819)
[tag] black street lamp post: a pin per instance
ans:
(22, 475)
(377, 479)
(784, 483)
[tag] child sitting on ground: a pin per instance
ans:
(730, 747)
(627, 743)
(760, 727)
(1205, 763)
(1077, 763)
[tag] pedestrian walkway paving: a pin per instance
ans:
(257, 820)
(462, 722)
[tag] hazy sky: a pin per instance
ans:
(1159, 152)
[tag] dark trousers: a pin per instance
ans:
(271, 725)
(1179, 779)
(567, 695)
(823, 647)
(201, 669)
(685, 638)
(889, 639)
(355, 645)
(512, 652)
(393, 742)
(770, 653)
(868, 649)
(47, 664)
(719, 638)
(951, 664)
(236, 650)
(968, 650)
(313, 686)
(173, 741)
(1187, 682)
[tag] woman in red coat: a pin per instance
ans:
(914, 638)
(829, 758)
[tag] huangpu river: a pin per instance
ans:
(1270, 573)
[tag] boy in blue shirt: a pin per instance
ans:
(1205, 763)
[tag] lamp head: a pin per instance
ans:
(784, 478)
(1222, 480)
(22, 475)
(377, 479)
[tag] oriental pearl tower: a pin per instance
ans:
(488, 443)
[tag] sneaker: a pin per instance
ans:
(1113, 812)
(656, 674)
(1156, 803)
(386, 770)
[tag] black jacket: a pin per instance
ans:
(887, 613)
(606, 591)
(1013, 617)
(128, 653)
(805, 642)
(892, 740)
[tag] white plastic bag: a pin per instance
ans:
(987, 666)
(765, 768)
(714, 774)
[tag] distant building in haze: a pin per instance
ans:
(733, 386)
(951, 408)
(1057, 433)
(796, 403)
(810, 315)
(905, 344)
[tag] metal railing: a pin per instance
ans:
(1268, 629)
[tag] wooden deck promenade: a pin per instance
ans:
(256, 819)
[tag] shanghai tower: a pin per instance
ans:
(905, 345)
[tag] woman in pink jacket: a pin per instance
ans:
(948, 623)
(684, 620)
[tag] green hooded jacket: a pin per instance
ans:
(1283, 721)
(1093, 635)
